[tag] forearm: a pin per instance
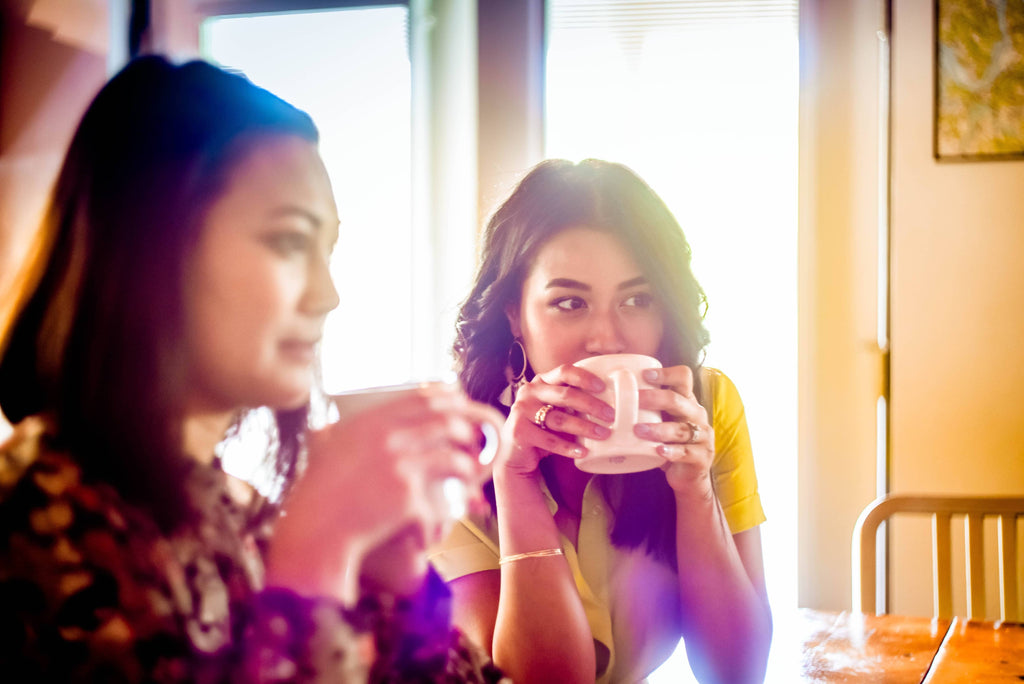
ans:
(292, 562)
(726, 619)
(541, 633)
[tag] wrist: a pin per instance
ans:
(515, 478)
(695, 493)
(520, 498)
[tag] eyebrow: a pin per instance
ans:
(577, 285)
(296, 210)
(288, 210)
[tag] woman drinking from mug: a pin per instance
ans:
(580, 577)
(181, 290)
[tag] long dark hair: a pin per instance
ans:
(555, 195)
(98, 344)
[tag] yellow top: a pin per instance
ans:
(631, 601)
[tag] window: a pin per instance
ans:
(701, 100)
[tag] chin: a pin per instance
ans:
(287, 398)
(288, 390)
(295, 401)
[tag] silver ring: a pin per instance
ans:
(694, 433)
(541, 417)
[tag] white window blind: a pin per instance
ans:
(629, 14)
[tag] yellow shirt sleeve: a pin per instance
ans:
(733, 467)
(471, 546)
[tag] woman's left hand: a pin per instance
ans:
(686, 436)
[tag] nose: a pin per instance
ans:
(320, 297)
(604, 335)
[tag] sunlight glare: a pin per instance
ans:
(707, 115)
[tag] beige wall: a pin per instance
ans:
(46, 82)
(839, 361)
(510, 86)
(957, 306)
(957, 301)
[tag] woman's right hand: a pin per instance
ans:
(570, 391)
(373, 489)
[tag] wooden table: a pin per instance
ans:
(824, 647)
(976, 651)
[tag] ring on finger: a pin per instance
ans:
(541, 417)
(694, 433)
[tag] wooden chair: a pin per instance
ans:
(941, 509)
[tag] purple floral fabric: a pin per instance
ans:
(92, 590)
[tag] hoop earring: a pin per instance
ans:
(515, 379)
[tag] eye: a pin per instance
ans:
(569, 303)
(288, 242)
(641, 300)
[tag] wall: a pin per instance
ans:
(511, 97)
(957, 300)
(46, 84)
(957, 307)
(46, 81)
(839, 361)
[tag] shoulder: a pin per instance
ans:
(721, 393)
(27, 459)
(733, 468)
(716, 379)
(49, 507)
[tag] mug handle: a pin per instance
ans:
(626, 411)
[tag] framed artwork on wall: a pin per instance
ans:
(979, 80)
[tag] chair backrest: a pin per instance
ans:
(974, 509)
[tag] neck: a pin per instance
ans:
(570, 482)
(203, 431)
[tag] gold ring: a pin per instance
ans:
(694, 433)
(541, 417)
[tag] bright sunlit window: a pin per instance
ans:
(349, 69)
(700, 99)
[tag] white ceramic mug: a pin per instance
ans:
(623, 451)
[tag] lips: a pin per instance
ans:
(303, 351)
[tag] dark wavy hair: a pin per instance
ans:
(98, 342)
(553, 196)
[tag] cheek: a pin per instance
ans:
(231, 318)
(549, 346)
(645, 335)
(219, 341)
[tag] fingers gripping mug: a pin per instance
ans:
(450, 493)
(623, 451)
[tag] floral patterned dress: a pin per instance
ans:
(91, 590)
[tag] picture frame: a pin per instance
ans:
(979, 80)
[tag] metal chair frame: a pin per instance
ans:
(942, 509)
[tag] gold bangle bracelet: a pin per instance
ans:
(529, 554)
